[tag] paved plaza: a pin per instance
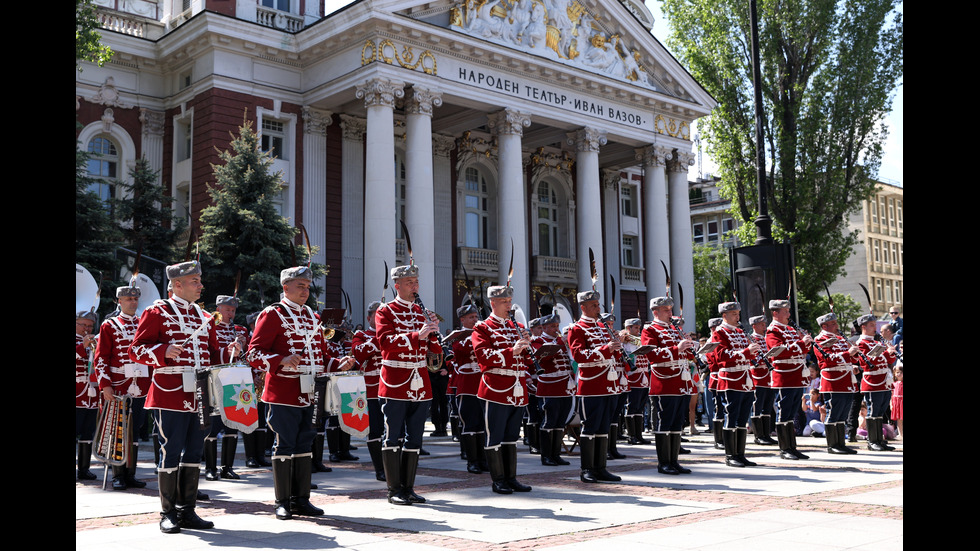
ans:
(831, 502)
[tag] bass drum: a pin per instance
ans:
(86, 290)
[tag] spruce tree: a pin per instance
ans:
(243, 232)
(145, 216)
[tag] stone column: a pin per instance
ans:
(681, 245)
(315, 123)
(419, 208)
(442, 180)
(380, 213)
(588, 216)
(508, 126)
(656, 233)
(352, 222)
(152, 139)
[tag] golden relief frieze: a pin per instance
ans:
(559, 29)
(671, 127)
(385, 51)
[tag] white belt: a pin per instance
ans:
(736, 368)
(600, 363)
(676, 364)
(471, 368)
(173, 369)
(563, 373)
(81, 379)
(842, 367)
(508, 372)
(403, 365)
(877, 371)
(792, 361)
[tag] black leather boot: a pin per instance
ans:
(345, 447)
(299, 500)
(167, 484)
(718, 431)
(785, 441)
(741, 435)
(229, 447)
(481, 439)
(282, 481)
(509, 454)
(611, 451)
(391, 460)
(85, 461)
(317, 457)
(731, 449)
(557, 439)
(791, 432)
(374, 450)
(664, 453)
(636, 431)
(533, 439)
(410, 464)
(472, 454)
(675, 451)
(587, 459)
(841, 430)
(547, 448)
(498, 479)
(187, 481)
(119, 477)
(600, 461)
(211, 458)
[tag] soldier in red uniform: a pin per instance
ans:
(876, 382)
(176, 339)
(232, 340)
(288, 345)
(367, 355)
(473, 430)
(837, 358)
(598, 356)
(503, 351)
(608, 320)
(86, 398)
(639, 382)
(406, 335)
(764, 404)
(556, 389)
(119, 376)
(259, 440)
(712, 396)
(734, 356)
(669, 383)
(789, 375)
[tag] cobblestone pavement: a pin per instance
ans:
(836, 502)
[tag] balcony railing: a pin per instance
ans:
(127, 23)
(551, 268)
(479, 262)
(631, 276)
(278, 19)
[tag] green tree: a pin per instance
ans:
(711, 283)
(829, 70)
(145, 217)
(88, 40)
(846, 308)
(242, 232)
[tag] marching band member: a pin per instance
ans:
(288, 345)
(639, 381)
(86, 399)
(502, 350)
(711, 394)
(119, 376)
(232, 340)
(789, 375)
(669, 378)
(876, 382)
(598, 357)
(406, 334)
(734, 357)
(837, 358)
(556, 389)
(764, 403)
(622, 393)
(364, 348)
(176, 339)
(473, 430)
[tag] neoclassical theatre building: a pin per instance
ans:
(550, 128)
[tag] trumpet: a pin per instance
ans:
(628, 337)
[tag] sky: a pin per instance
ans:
(892, 166)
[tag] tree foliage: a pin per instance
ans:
(711, 283)
(96, 235)
(145, 217)
(88, 40)
(829, 70)
(242, 233)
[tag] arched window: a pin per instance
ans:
(547, 209)
(103, 166)
(476, 209)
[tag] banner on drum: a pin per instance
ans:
(236, 391)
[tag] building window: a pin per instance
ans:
(103, 166)
(727, 227)
(547, 211)
(281, 5)
(879, 290)
(273, 139)
(476, 208)
(887, 257)
(629, 256)
(712, 230)
(627, 195)
(874, 211)
(877, 248)
(698, 232)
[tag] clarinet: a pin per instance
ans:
(534, 359)
(425, 311)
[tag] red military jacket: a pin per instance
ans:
(167, 322)
(557, 380)
(600, 369)
(875, 378)
(837, 367)
(113, 368)
(366, 353)
(760, 373)
(789, 367)
(404, 375)
(669, 373)
(281, 330)
(732, 361)
(468, 374)
(85, 395)
(504, 374)
(226, 334)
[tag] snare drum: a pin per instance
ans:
(233, 396)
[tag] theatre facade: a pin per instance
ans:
(521, 134)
